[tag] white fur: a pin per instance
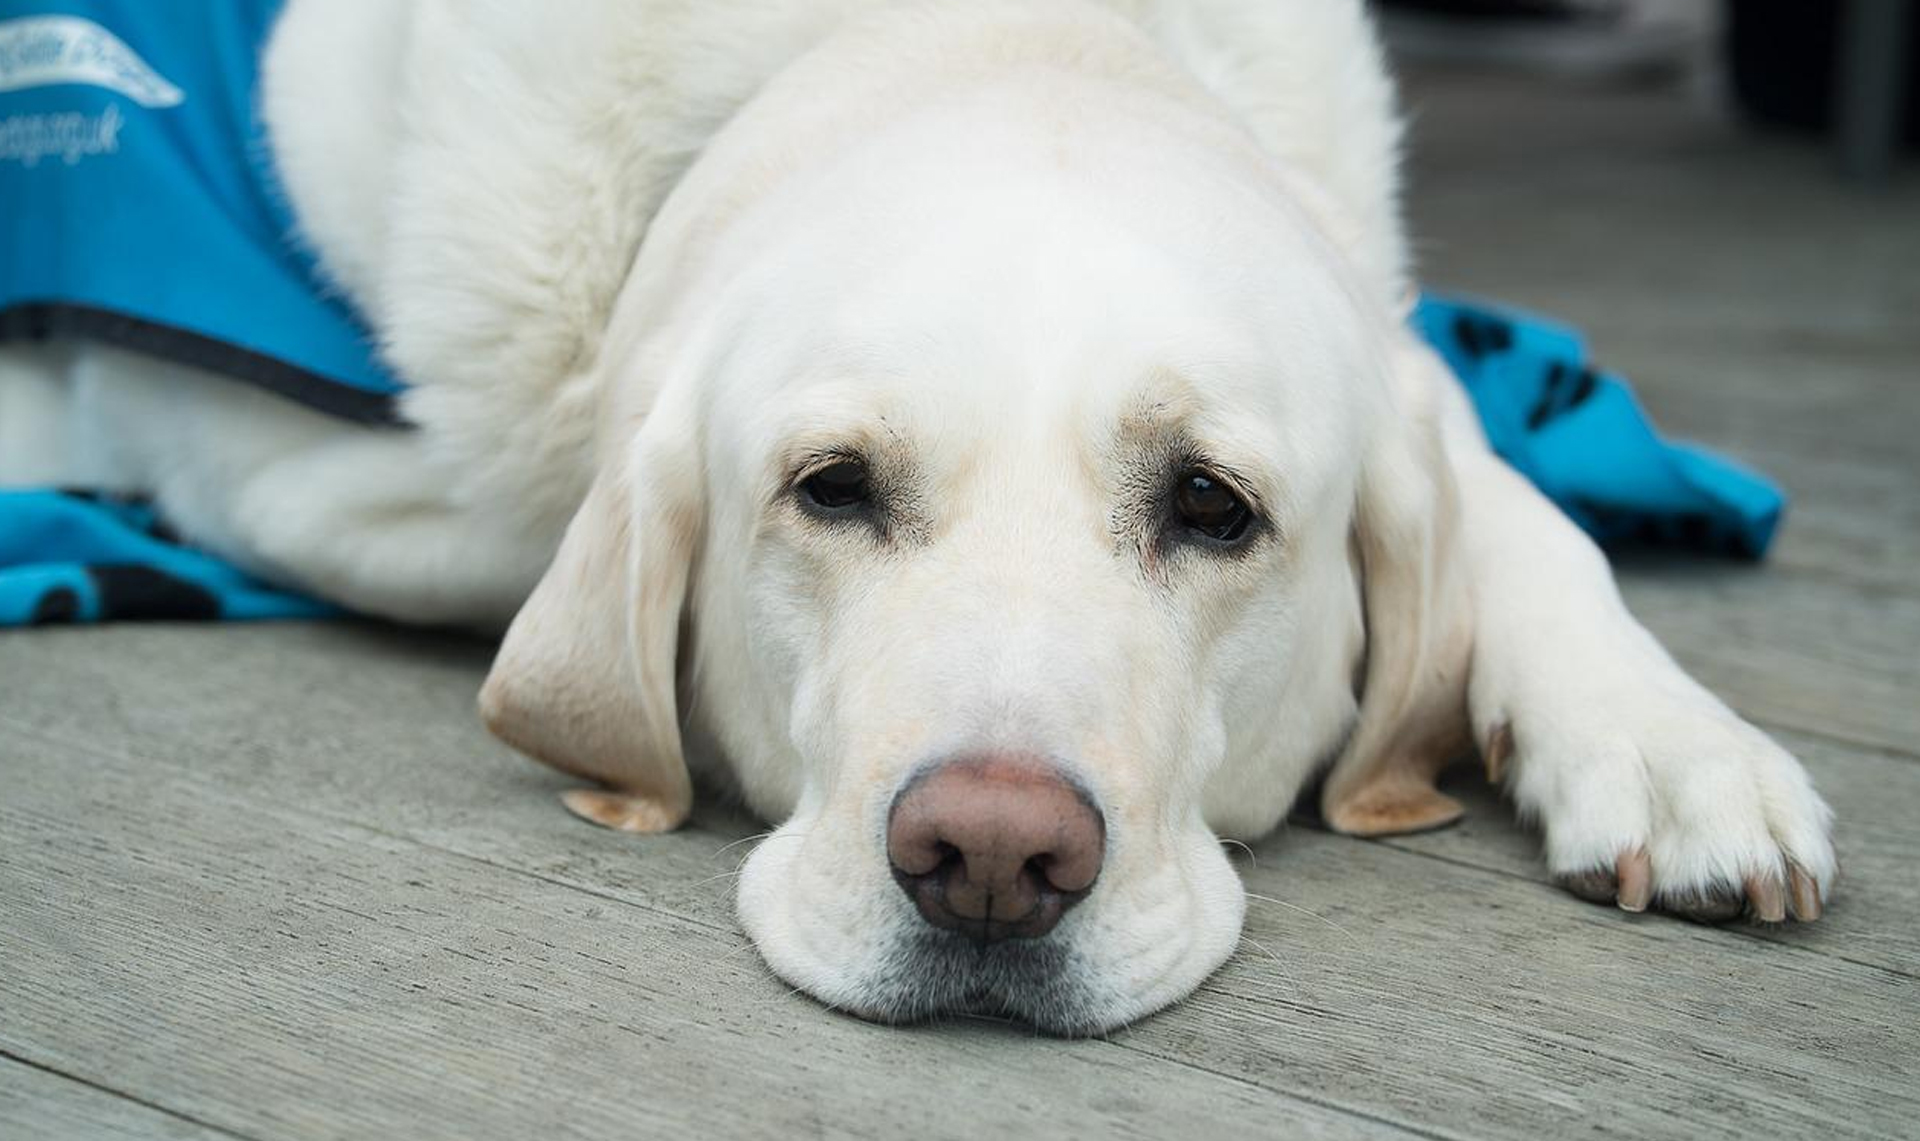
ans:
(1006, 250)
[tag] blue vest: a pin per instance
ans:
(138, 206)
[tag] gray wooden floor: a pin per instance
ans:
(275, 881)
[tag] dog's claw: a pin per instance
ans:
(1803, 894)
(1634, 871)
(1767, 898)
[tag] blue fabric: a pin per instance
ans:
(1582, 439)
(136, 202)
(76, 557)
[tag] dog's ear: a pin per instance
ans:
(1413, 712)
(585, 679)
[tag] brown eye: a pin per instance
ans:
(1210, 507)
(841, 485)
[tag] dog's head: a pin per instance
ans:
(1004, 481)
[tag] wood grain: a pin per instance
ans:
(35, 1103)
(1406, 1011)
(243, 962)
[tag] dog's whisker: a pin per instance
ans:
(1303, 911)
(763, 837)
(718, 852)
(1286, 975)
(741, 866)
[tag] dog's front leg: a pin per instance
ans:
(1650, 790)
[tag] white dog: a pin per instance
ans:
(991, 442)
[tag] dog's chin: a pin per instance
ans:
(927, 975)
(922, 975)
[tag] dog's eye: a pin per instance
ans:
(1210, 507)
(838, 486)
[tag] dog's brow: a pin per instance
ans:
(1164, 398)
(1159, 432)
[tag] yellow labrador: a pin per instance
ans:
(997, 451)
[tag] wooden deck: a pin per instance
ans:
(276, 881)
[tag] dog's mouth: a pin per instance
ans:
(929, 974)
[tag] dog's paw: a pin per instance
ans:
(1661, 796)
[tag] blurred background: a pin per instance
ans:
(1679, 179)
(1837, 69)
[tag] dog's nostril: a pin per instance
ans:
(994, 847)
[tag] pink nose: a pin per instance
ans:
(994, 847)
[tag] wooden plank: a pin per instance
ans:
(1506, 1009)
(1805, 653)
(359, 724)
(1821, 399)
(38, 1103)
(1451, 994)
(226, 954)
(1876, 798)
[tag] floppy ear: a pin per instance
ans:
(1413, 707)
(585, 678)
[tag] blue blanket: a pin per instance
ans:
(72, 556)
(1582, 438)
(136, 208)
